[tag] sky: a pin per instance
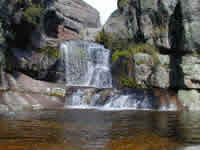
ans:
(105, 7)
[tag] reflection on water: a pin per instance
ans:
(99, 130)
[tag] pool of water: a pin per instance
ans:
(90, 129)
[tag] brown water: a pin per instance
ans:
(98, 130)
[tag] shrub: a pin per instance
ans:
(110, 41)
(128, 82)
(33, 14)
(123, 3)
(148, 49)
(117, 54)
(50, 51)
(138, 48)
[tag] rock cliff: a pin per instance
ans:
(172, 26)
(43, 22)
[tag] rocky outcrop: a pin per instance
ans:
(19, 92)
(191, 71)
(149, 75)
(190, 99)
(116, 24)
(64, 19)
(39, 23)
(40, 65)
(170, 24)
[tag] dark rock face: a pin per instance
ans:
(38, 65)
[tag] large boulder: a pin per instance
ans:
(190, 67)
(190, 99)
(148, 74)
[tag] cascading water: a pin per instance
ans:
(86, 64)
(87, 70)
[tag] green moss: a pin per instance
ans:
(123, 52)
(123, 3)
(141, 62)
(50, 51)
(128, 82)
(196, 53)
(57, 95)
(105, 39)
(117, 54)
(158, 30)
(148, 49)
(33, 14)
(110, 41)
(138, 48)
(127, 64)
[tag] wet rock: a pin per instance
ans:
(17, 93)
(191, 71)
(190, 99)
(38, 65)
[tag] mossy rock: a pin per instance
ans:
(128, 82)
(50, 51)
(33, 14)
(123, 3)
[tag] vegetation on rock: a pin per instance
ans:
(50, 51)
(33, 13)
(110, 41)
(123, 3)
(138, 48)
(123, 53)
(128, 82)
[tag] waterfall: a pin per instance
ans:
(112, 99)
(86, 64)
(87, 71)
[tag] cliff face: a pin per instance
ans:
(30, 31)
(171, 24)
(41, 22)
(73, 15)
